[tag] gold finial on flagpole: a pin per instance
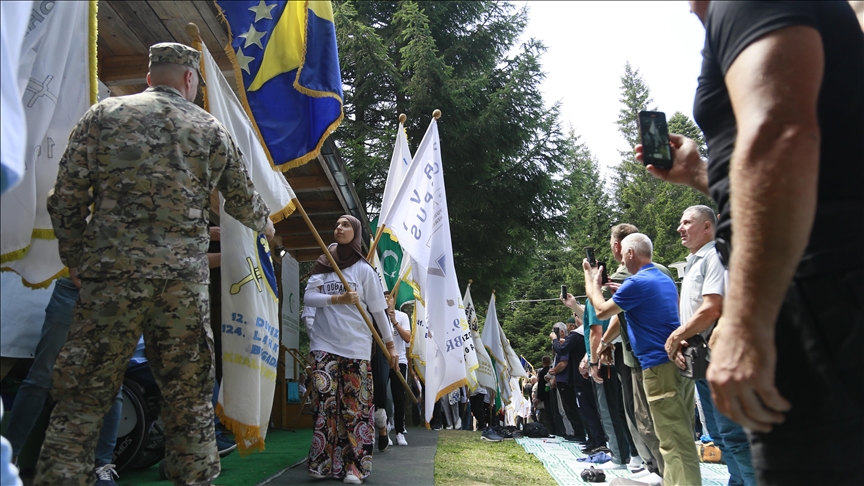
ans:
(193, 31)
(470, 281)
(493, 291)
(436, 114)
(402, 118)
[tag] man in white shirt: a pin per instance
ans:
(700, 306)
(401, 329)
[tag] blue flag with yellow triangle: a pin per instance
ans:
(285, 54)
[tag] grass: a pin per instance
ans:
(463, 458)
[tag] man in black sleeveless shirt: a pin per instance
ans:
(781, 103)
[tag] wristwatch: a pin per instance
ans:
(592, 364)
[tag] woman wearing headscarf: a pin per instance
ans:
(340, 342)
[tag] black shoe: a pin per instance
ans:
(592, 475)
(225, 446)
(598, 449)
(383, 442)
(490, 435)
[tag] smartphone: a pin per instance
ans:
(563, 291)
(605, 274)
(589, 254)
(655, 139)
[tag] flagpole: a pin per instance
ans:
(380, 231)
(395, 291)
(194, 32)
(348, 287)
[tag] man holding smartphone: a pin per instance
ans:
(650, 300)
(781, 103)
(699, 307)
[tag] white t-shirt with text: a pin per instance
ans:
(339, 328)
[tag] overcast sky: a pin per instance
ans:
(588, 44)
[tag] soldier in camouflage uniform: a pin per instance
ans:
(152, 160)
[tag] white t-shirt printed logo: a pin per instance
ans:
(336, 287)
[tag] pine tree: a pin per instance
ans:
(501, 144)
(654, 206)
(557, 260)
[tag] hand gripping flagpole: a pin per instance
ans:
(381, 225)
(194, 32)
(345, 283)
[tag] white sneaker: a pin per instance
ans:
(400, 439)
(653, 479)
(389, 440)
(449, 427)
(352, 479)
(640, 474)
(635, 464)
(389, 425)
(106, 474)
(458, 425)
(380, 418)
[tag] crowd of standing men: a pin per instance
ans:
(781, 103)
(616, 367)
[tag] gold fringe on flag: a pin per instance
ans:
(243, 433)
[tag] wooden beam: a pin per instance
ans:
(132, 69)
(296, 225)
(305, 242)
(310, 183)
(123, 70)
(207, 9)
(142, 20)
(116, 33)
(306, 255)
(315, 208)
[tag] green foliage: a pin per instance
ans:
(654, 206)
(501, 145)
(558, 260)
(524, 197)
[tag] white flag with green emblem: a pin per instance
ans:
(421, 223)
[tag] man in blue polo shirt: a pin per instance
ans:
(651, 301)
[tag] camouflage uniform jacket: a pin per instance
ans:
(152, 160)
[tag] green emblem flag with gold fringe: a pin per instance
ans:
(422, 226)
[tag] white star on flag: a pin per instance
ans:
(253, 37)
(262, 11)
(243, 60)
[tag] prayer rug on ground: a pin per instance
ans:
(560, 459)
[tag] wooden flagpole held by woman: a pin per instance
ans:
(345, 283)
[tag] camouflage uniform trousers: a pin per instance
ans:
(110, 315)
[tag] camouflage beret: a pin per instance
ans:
(176, 53)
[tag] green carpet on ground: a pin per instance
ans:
(283, 448)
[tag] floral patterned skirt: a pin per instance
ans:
(343, 410)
